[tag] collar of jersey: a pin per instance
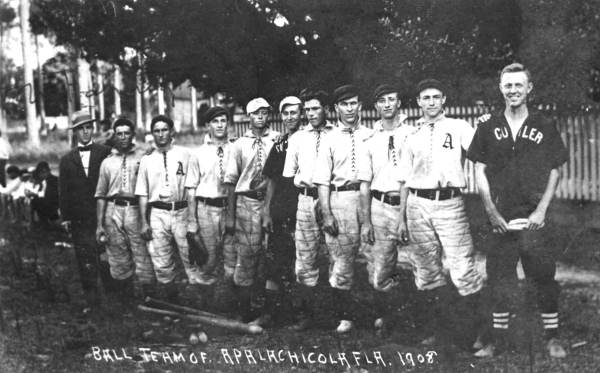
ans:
(249, 133)
(131, 150)
(400, 118)
(421, 121)
(328, 125)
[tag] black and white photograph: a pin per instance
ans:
(300, 186)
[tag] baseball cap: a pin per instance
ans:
(80, 118)
(383, 89)
(344, 92)
(289, 100)
(257, 103)
(430, 83)
(213, 112)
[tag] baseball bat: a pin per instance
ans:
(184, 309)
(213, 321)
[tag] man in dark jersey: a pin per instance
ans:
(279, 213)
(517, 154)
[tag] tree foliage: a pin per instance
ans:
(276, 47)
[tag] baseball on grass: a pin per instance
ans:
(194, 339)
(202, 337)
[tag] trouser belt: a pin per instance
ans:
(345, 188)
(436, 194)
(178, 205)
(390, 200)
(311, 192)
(124, 201)
(215, 202)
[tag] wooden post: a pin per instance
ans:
(594, 155)
(586, 157)
(571, 145)
(194, 107)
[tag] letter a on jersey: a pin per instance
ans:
(180, 169)
(448, 141)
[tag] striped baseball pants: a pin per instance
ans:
(439, 228)
(307, 234)
(126, 250)
(343, 248)
(382, 256)
(168, 226)
(211, 229)
(247, 250)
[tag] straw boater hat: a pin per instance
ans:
(80, 118)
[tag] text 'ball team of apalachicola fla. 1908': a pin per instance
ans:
(248, 212)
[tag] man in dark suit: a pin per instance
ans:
(78, 176)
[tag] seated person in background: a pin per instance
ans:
(45, 196)
(13, 182)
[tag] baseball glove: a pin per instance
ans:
(198, 253)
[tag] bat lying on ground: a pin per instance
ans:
(208, 320)
(184, 309)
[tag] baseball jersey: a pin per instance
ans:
(161, 176)
(118, 174)
(247, 159)
(206, 169)
(379, 162)
(300, 161)
(518, 170)
(338, 158)
(432, 157)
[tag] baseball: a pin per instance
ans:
(194, 339)
(202, 337)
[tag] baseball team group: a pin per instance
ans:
(248, 212)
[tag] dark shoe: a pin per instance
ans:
(171, 292)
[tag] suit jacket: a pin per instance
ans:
(51, 194)
(76, 190)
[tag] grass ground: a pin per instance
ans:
(38, 334)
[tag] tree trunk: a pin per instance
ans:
(3, 124)
(117, 89)
(83, 72)
(40, 89)
(160, 95)
(29, 94)
(100, 91)
(139, 87)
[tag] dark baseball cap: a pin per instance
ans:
(343, 93)
(215, 111)
(430, 83)
(383, 89)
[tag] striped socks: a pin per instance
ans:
(500, 320)
(550, 321)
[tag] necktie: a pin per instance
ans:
(85, 148)
(318, 144)
(166, 168)
(124, 176)
(220, 154)
(353, 142)
(392, 150)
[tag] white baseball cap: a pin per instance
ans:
(257, 103)
(289, 100)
